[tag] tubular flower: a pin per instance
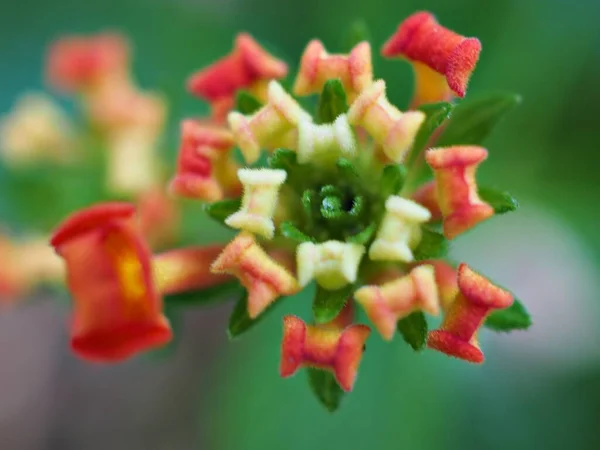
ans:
(454, 169)
(400, 230)
(477, 298)
(117, 309)
(248, 66)
(393, 130)
(271, 126)
(317, 66)
(385, 305)
(261, 189)
(265, 280)
(204, 169)
(329, 348)
(36, 130)
(336, 201)
(443, 61)
(334, 264)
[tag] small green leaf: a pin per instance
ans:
(515, 317)
(246, 103)
(328, 304)
(203, 297)
(472, 121)
(223, 209)
(332, 101)
(357, 32)
(413, 329)
(239, 321)
(325, 388)
(436, 114)
(331, 207)
(502, 202)
(290, 231)
(433, 245)
(347, 169)
(357, 206)
(364, 236)
(392, 180)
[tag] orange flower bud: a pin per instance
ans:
(247, 66)
(269, 127)
(264, 279)
(324, 347)
(477, 298)
(394, 130)
(385, 305)
(445, 278)
(454, 170)
(426, 195)
(317, 66)
(443, 60)
(187, 269)
(117, 309)
(80, 63)
(204, 168)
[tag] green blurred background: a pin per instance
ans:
(539, 389)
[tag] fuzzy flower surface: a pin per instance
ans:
(328, 184)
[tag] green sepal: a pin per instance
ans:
(202, 297)
(436, 114)
(392, 180)
(332, 101)
(512, 318)
(246, 103)
(328, 304)
(364, 236)
(239, 321)
(501, 201)
(284, 159)
(473, 120)
(325, 387)
(331, 207)
(290, 231)
(346, 168)
(413, 329)
(433, 245)
(221, 210)
(357, 206)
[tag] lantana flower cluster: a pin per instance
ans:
(327, 184)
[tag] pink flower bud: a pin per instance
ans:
(205, 170)
(443, 60)
(385, 305)
(477, 298)
(454, 170)
(247, 66)
(317, 66)
(264, 279)
(330, 348)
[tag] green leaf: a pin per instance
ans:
(413, 329)
(502, 202)
(346, 168)
(325, 388)
(331, 207)
(364, 236)
(332, 101)
(356, 33)
(290, 231)
(310, 203)
(239, 321)
(392, 180)
(223, 209)
(357, 206)
(436, 114)
(203, 297)
(433, 245)
(472, 121)
(328, 304)
(515, 317)
(246, 103)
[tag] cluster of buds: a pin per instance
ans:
(326, 206)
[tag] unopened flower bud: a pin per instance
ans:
(326, 142)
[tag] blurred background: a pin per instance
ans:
(539, 389)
